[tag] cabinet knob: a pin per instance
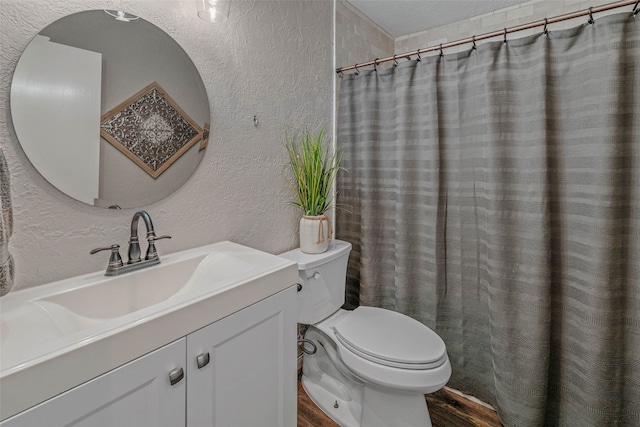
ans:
(202, 360)
(176, 376)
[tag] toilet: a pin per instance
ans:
(368, 367)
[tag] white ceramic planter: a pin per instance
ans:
(315, 233)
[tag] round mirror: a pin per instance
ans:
(110, 109)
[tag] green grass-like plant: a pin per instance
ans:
(314, 170)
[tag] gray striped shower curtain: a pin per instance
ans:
(494, 195)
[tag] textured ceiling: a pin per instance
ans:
(402, 17)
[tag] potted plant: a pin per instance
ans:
(314, 169)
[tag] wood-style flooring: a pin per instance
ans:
(447, 409)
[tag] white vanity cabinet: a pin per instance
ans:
(251, 375)
(238, 371)
(136, 394)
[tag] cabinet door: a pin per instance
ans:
(137, 394)
(250, 377)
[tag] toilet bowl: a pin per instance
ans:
(370, 367)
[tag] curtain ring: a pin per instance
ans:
(418, 53)
(357, 71)
(591, 20)
(505, 35)
(636, 9)
(341, 74)
(545, 31)
(441, 53)
(375, 64)
(473, 38)
(395, 62)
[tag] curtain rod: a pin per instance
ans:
(543, 22)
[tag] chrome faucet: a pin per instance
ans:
(116, 266)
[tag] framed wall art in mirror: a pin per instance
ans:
(91, 83)
(151, 129)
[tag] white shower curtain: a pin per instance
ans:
(495, 196)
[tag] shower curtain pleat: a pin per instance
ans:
(494, 195)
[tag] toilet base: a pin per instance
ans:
(408, 411)
(384, 409)
(347, 413)
(328, 383)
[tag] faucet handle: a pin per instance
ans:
(152, 253)
(114, 260)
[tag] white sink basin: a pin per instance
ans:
(54, 329)
(117, 296)
(121, 295)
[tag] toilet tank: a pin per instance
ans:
(323, 277)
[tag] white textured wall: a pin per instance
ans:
(512, 16)
(358, 39)
(273, 59)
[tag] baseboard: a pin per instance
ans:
(471, 398)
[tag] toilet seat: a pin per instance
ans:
(377, 370)
(390, 339)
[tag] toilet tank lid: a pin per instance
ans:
(337, 248)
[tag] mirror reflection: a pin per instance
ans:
(110, 109)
